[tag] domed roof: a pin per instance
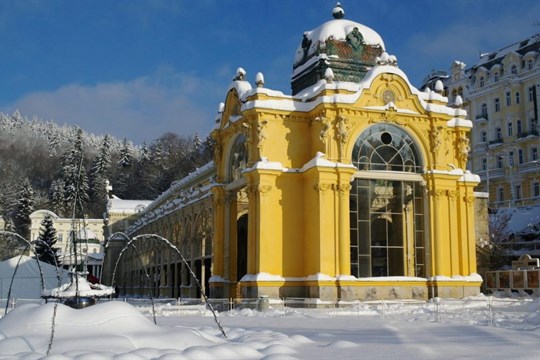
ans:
(348, 47)
(338, 29)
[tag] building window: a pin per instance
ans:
(518, 192)
(481, 81)
(379, 237)
(238, 158)
(519, 128)
(534, 154)
(496, 76)
(518, 99)
(500, 194)
(533, 124)
(521, 160)
(483, 110)
(484, 164)
(530, 64)
(483, 136)
(497, 105)
(500, 162)
(508, 98)
(531, 93)
(536, 189)
(510, 129)
(511, 158)
(498, 133)
(513, 70)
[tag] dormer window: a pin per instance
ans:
(496, 76)
(529, 64)
(482, 82)
(513, 70)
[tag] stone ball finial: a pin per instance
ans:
(439, 87)
(338, 12)
(240, 74)
(459, 101)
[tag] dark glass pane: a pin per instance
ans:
(352, 203)
(364, 266)
(354, 237)
(363, 237)
(354, 254)
(352, 219)
(395, 230)
(379, 262)
(395, 261)
(354, 270)
(378, 232)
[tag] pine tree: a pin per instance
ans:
(126, 155)
(44, 247)
(74, 176)
(56, 197)
(98, 177)
(24, 207)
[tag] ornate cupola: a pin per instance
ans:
(350, 49)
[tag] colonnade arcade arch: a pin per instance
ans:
(153, 268)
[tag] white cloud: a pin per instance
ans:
(140, 109)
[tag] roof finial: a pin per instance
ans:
(338, 12)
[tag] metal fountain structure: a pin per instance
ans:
(79, 293)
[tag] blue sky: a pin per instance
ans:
(138, 69)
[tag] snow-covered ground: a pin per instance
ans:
(474, 328)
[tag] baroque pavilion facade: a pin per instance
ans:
(353, 187)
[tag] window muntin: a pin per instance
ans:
(387, 215)
(382, 212)
(518, 97)
(510, 129)
(384, 147)
(497, 105)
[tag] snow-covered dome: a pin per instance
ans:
(346, 46)
(338, 29)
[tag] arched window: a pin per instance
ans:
(386, 208)
(238, 158)
(387, 148)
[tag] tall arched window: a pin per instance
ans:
(387, 205)
(238, 158)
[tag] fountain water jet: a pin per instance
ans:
(173, 247)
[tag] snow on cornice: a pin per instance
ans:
(459, 122)
(309, 98)
(320, 161)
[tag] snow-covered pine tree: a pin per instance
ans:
(98, 176)
(126, 155)
(45, 249)
(57, 203)
(73, 174)
(23, 209)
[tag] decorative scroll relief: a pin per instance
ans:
(261, 135)
(258, 189)
(342, 127)
(325, 126)
(342, 188)
(322, 188)
(469, 199)
(452, 194)
(463, 147)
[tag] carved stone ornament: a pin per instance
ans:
(452, 194)
(258, 189)
(322, 187)
(464, 147)
(469, 199)
(325, 126)
(342, 188)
